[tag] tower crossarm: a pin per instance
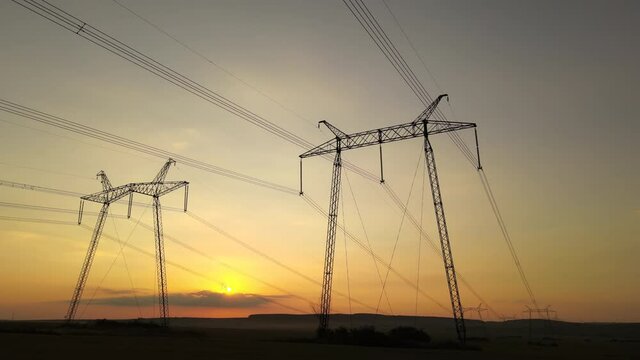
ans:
(109, 196)
(387, 135)
(157, 189)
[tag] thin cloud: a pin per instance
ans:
(122, 292)
(202, 298)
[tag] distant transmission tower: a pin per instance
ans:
(479, 309)
(420, 127)
(541, 312)
(109, 194)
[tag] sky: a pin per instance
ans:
(551, 85)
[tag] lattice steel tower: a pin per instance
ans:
(420, 127)
(109, 194)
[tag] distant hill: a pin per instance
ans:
(438, 326)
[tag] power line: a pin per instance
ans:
(226, 265)
(312, 203)
(113, 262)
(395, 245)
(52, 120)
(96, 36)
(424, 65)
(266, 256)
(36, 220)
(45, 170)
(367, 20)
(113, 45)
(424, 176)
(346, 261)
(126, 265)
(199, 54)
(368, 250)
(434, 247)
(372, 27)
(52, 209)
(39, 188)
(366, 236)
(184, 268)
(506, 236)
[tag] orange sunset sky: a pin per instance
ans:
(552, 87)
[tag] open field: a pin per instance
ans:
(275, 336)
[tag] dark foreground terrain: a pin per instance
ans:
(291, 337)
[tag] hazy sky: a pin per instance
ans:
(552, 86)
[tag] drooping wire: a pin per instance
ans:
(82, 28)
(173, 264)
(266, 256)
(434, 247)
(424, 95)
(74, 194)
(372, 27)
(227, 265)
(369, 246)
(126, 266)
(199, 54)
(185, 269)
(37, 221)
(424, 65)
(52, 209)
(97, 134)
(420, 244)
(395, 245)
(505, 235)
(113, 262)
(381, 261)
(75, 139)
(62, 18)
(346, 255)
(46, 170)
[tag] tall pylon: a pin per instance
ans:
(423, 127)
(156, 188)
(107, 196)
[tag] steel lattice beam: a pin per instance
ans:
(327, 279)
(163, 296)
(445, 244)
(86, 265)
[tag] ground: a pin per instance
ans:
(192, 339)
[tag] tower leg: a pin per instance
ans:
(325, 300)
(456, 304)
(161, 273)
(86, 266)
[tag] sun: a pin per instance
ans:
(227, 289)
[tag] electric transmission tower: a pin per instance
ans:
(109, 194)
(479, 309)
(541, 312)
(420, 127)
